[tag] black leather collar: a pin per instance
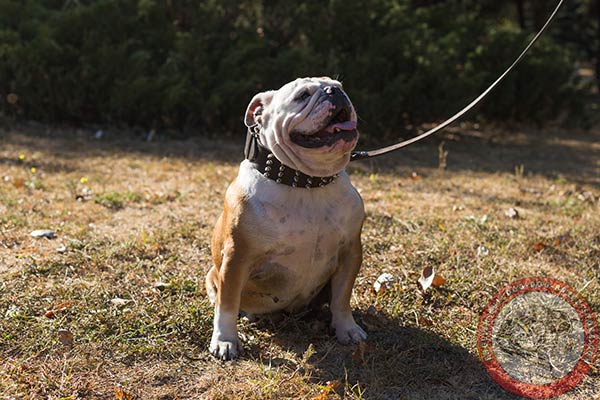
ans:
(267, 164)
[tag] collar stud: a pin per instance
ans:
(263, 160)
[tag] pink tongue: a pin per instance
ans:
(343, 126)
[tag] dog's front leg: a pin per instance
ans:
(228, 280)
(346, 329)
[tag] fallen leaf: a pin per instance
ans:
(384, 283)
(430, 278)
(531, 191)
(52, 312)
(47, 233)
(426, 278)
(331, 386)
(482, 251)
(65, 336)
(161, 285)
(414, 176)
(358, 355)
(586, 196)
(438, 280)
(18, 183)
(512, 213)
(13, 311)
(121, 394)
(120, 302)
(63, 305)
(539, 246)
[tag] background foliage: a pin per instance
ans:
(186, 64)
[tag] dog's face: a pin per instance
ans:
(309, 124)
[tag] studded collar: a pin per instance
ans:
(266, 163)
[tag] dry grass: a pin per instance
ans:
(145, 216)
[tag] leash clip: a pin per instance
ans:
(252, 142)
(359, 155)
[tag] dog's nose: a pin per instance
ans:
(329, 90)
(335, 96)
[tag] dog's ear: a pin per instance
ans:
(256, 107)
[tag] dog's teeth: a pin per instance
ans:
(336, 130)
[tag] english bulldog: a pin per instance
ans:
(292, 220)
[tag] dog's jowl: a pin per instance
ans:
(291, 221)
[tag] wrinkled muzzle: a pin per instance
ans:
(337, 126)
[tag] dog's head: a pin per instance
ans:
(309, 125)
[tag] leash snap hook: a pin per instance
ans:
(252, 142)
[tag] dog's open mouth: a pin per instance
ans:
(339, 127)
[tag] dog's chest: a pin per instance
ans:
(303, 234)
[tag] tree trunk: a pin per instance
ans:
(598, 45)
(521, 12)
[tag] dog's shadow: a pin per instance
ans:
(396, 362)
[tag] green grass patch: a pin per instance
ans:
(118, 200)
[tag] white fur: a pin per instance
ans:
(300, 230)
(281, 115)
(225, 342)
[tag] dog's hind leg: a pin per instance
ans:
(211, 284)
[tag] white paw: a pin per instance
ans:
(348, 331)
(225, 349)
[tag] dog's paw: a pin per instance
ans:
(348, 332)
(226, 349)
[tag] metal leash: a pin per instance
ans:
(361, 155)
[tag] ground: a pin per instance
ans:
(125, 273)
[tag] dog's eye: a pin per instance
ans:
(303, 96)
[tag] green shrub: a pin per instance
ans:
(183, 63)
